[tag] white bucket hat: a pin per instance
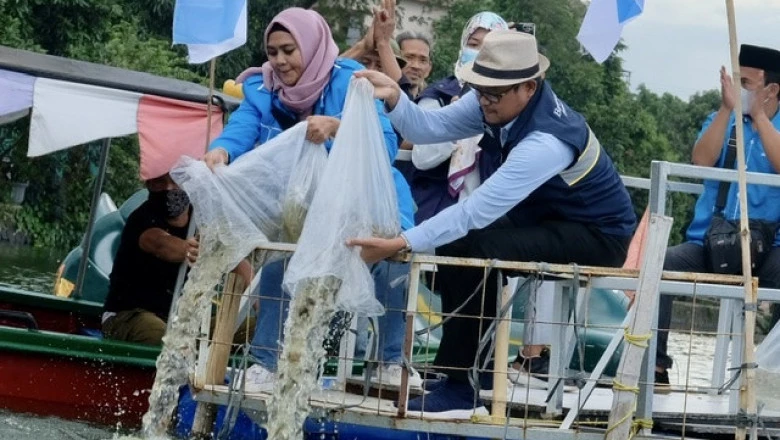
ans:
(506, 58)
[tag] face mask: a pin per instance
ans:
(171, 203)
(747, 97)
(467, 55)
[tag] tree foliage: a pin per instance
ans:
(635, 128)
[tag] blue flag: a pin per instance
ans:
(209, 28)
(603, 24)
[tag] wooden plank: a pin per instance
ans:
(624, 401)
(411, 309)
(220, 351)
(747, 393)
(501, 361)
(747, 389)
(560, 270)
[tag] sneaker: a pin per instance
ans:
(524, 379)
(451, 400)
(258, 379)
(662, 385)
(533, 371)
(390, 375)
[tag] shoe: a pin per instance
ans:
(390, 375)
(662, 385)
(533, 371)
(433, 384)
(258, 379)
(451, 400)
(524, 379)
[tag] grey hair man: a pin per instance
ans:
(416, 50)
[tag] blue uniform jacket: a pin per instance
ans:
(254, 123)
(763, 201)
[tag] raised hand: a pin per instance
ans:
(728, 99)
(384, 22)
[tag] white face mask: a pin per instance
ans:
(747, 97)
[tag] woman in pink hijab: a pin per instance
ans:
(304, 79)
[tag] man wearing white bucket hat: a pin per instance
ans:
(552, 195)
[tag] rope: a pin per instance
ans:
(637, 424)
(736, 376)
(637, 340)
(462, 305)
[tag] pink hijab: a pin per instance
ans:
(318, 50)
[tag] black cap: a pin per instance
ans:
(759, 57)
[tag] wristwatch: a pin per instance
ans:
(408, 247)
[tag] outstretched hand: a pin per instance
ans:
(215, 157)
(384, 87)
(321, 128)
(377, 249)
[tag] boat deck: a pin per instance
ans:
(695, 413)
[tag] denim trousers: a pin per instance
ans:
(390, 279)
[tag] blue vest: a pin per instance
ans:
(430, 187)
(442, 90)
(589, 191)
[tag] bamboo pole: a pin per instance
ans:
(498, 411)
(210, 104)
(638, 332)
(411, 309)
(219, 353)
(747, 398)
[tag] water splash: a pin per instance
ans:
(177, 358)
(311, 311)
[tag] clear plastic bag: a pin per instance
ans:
(300, 190)
(768, 352)
(356, 198)
(241, 206)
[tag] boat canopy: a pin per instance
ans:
(82, 72)
(75, 102)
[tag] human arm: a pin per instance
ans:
(537, 158)
(239, 136)
(384, 26)
(244, 270)
(460, 120)
(167, 247)
(359, 49)
(429, 156)
(707, 149)
(770, 137)
(420, 126)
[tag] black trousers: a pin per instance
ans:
(689, 257)
(550, 242)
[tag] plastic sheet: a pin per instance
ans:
(356, 199)
(768, 352)
(241, 205)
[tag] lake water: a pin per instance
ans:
(33, 269)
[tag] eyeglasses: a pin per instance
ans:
(492, 97)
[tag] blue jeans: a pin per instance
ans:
(390, 279)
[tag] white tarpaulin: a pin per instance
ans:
(67, 114)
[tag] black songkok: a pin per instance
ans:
(759, 57)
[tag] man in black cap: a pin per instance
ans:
(552, 194)
(718, 215)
